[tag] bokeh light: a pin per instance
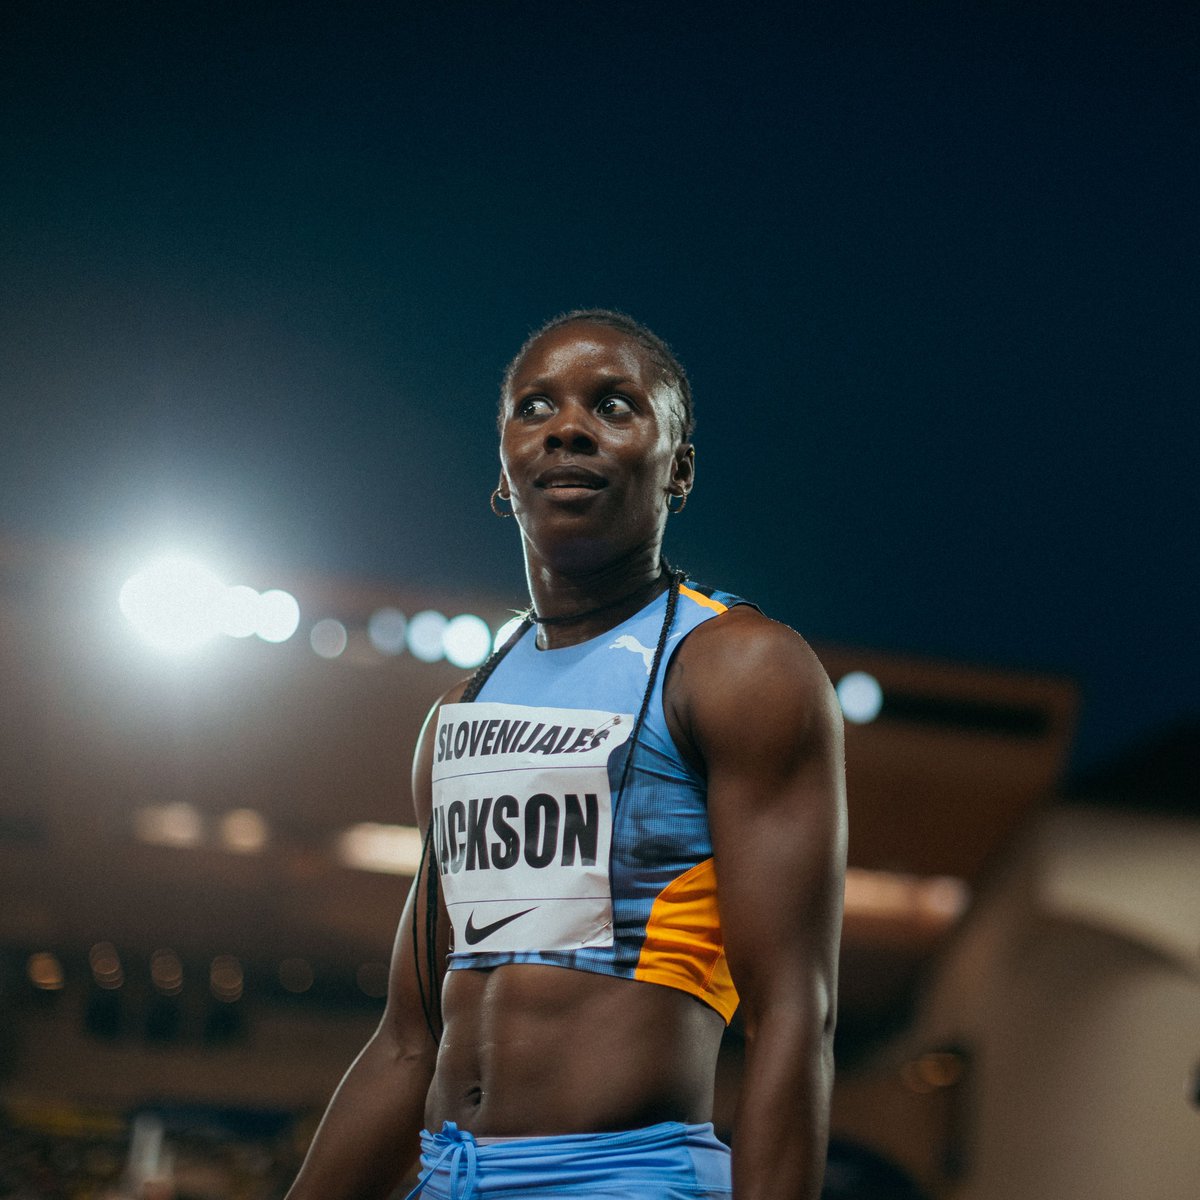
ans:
(167, 972)
(467, 640)
(177, 824)
(226, 979)
(386, 630)
(45, 972)
(106, 965)
(244, 831)
(174, 604)
(425, 632)
(239, 611)
(860, 696)
(177, 604)
(372, 846)
(278, 616)
(328, 638)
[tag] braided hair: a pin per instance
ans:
(430, 984)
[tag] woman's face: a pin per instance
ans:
(587, 447)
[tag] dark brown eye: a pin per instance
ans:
(533, 406)
(613, 405)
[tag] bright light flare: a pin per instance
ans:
(175, 604)
(278, 616)
(239, 611)
(467, 641)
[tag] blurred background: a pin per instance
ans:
(932, 270)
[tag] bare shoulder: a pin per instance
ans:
(422, 768)
(451, 695)
(745, 662)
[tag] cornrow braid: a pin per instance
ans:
(430, 986)
(677, 578)
(663, 357)
(431, 998)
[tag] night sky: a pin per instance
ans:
(932, 268)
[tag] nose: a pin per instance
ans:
(569, 429)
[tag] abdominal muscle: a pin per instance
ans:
(531, 1050)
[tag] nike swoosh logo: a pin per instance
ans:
(475, 934)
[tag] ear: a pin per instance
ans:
(683, 470)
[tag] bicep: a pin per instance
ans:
(771, 736)
(418, 964)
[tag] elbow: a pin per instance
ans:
(799, 1014)
(403, 1049)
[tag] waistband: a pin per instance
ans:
(667, 1159)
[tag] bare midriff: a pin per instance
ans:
(532, 1050)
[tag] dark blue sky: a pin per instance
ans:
(933, 273)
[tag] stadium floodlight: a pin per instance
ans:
(239, 611)
(175, 604)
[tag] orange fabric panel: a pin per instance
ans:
(703, 600)
(683, 947)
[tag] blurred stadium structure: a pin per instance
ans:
(202, 860)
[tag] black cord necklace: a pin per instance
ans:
(572, 618)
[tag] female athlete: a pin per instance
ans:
(634, 823)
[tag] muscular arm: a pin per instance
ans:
(760, 711)
(369, 1134)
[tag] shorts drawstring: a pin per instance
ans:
(460, 1144)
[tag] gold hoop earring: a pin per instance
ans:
(498, 494)
(681, 497)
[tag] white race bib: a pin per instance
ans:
(522, 824)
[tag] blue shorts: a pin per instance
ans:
(669, 1161)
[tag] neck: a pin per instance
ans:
(573, 606)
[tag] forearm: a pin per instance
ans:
(781, 1125)
(368, 1136)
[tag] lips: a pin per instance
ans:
(570, 479)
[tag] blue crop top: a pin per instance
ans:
(538, 862)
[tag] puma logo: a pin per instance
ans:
(628, 642)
